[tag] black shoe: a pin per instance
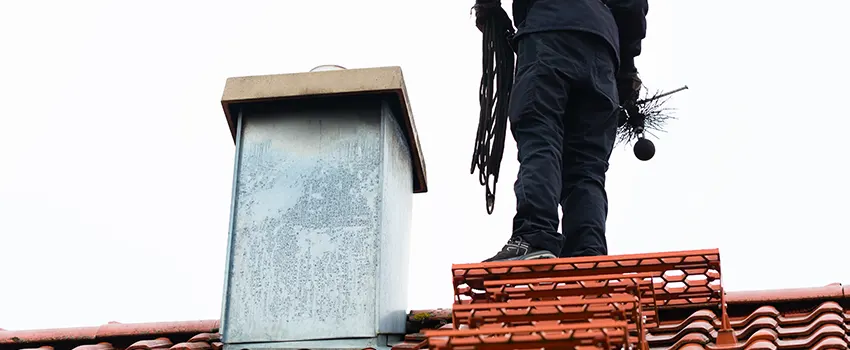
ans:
(519, 249)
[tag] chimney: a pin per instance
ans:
(326, 166)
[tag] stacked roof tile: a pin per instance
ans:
(808, 319)
(600, 302)
(672, 300)
(684, 317)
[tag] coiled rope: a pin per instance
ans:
(494, 95)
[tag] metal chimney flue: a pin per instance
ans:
(326, 165)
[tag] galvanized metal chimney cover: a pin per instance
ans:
(335, 81)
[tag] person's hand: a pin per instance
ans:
(484, 11)
(628, 89)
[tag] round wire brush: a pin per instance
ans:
(643, 117)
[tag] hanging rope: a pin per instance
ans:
(494, 95)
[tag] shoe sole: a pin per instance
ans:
(533, 256)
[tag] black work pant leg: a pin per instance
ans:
(537, 106)
(590, 129)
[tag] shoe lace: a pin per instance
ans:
(516, 244)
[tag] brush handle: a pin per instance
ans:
(640, 102)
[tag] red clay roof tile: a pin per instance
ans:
(206, 337)
(192, 346)
(107, 331)
(187, 335)
(835, 290)
(765, 328)
(812, 318)
(158, 343)
(98, 346)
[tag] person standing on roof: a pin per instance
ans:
(575, 64)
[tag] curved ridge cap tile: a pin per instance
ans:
(48, 335)
(808, 342)
(191, 346)
(804, 330)
(158, 343)
(43, 347)
(205, 337)
(831, 343)
(157, 328)
(108, 330)
(692, 346)
(834, 290)
(217, 345)
(98, 346)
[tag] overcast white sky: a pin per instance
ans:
(117, 161)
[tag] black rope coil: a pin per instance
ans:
(497, 79)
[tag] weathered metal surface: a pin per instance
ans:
(320, 224)
(396, 223)
(387, 82)
(380, 342)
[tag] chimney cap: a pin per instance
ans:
(387, 81)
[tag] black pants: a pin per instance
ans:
(563, 118)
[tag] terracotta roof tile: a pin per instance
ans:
(98, 346)
(158, 343)
(188, 335)
(206, 337)
(813, 319)
(835, 290)
(808, 318)
(765, 328)
(192, 346)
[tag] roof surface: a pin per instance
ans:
(810, 318)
